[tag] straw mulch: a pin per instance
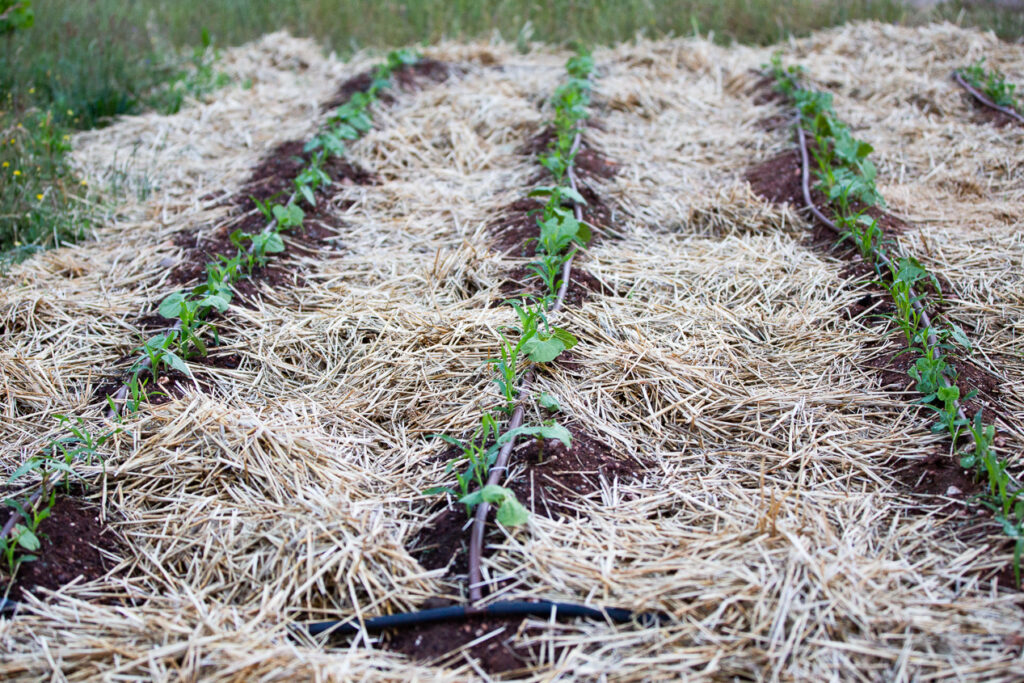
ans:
(771, 520)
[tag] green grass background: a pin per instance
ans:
(85, 61)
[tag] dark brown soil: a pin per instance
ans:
(273, 178)
(70, 538)
(588, 162)
(553, 478)
(495, 655)
(763, 91)
(274, 175)
(172, 384)
(407, 78)
(892, 366)
(779, 180)
(939, 474)
(523, 282)
(984, 114)
(318, 234)
(516, 231)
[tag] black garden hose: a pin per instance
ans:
(503, 608)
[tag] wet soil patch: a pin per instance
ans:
(984, 114)
(523, 282)
(408, 78)
(763, 90)
(939, 474)
(70, 540)
(274, 175)
(495, 655)
(547, 478)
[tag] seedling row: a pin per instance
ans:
(191, 325)
(475, 479)
(846, 177)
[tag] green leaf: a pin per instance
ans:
(175, 361)
(170, 307)
(274, 244)
(548, 402)
(512, 513)
(26, 539)
(32, 463)
(552, 431)
(288, 216)
(215, 301)
(566, 337)
(543, 350)
(438, 490)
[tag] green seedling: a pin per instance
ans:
(474, 463)
(510, 511)
(548, 402)
(992, 83)
(310, 179)
(191, 312)
(288, 217)
(21, 539)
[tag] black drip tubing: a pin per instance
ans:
(504, 608)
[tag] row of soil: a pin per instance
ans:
(551, 480)
(936, 478)
(272, 178)
(76, 544)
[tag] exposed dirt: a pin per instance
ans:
(554, 477)
(984, 114)
(70, 538)
(516, 231)
(274, 175)
(171, 384)
(892, 366)
(407, 78)
(495, 655)
(588, 162)
(763, 91)
(779, 180)
(523, 282)
(273, 178)
(939, 474)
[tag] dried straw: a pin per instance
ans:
(770, 521)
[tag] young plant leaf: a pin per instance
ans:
(553, 431)
(26, 539)
(548, 402)
(170, 307)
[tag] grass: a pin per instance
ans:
(105, 58)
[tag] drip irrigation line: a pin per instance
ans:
(494, 475)
(877, 253)
(1012, 113)
(504, 608)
